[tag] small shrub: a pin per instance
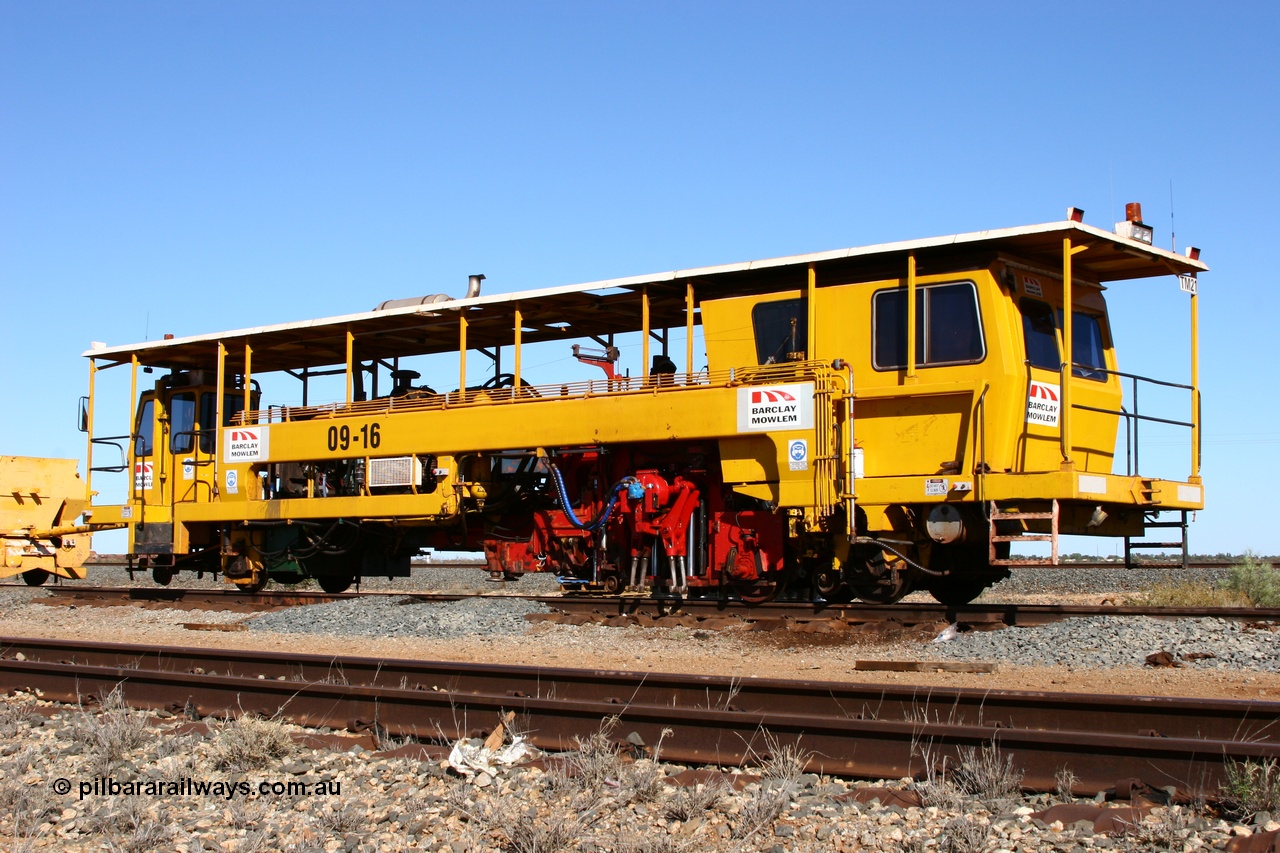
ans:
(249, 743)
(1256, 580)
(988, 774)
(687, 803)
(1251, 787)
(758, 811)
(964, 835)
(1066, 781)
(112, 733)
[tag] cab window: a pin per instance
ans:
(1040, 332)
(948, 326)
(144, 432)
(781, 329)
(208, 421)
(182, 419)
(1041, 327)
(1087, 346)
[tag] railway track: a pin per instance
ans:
(610, 607)
(851, 730)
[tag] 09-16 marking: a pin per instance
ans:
(367, 437)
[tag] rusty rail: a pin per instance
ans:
(852, 730)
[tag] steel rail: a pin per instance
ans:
(868, 732)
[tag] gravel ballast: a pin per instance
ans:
(404, 617)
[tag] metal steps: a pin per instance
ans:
(996, 515)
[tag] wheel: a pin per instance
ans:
(873, 580)
(757, 593)
(35, 577)
(334, 584)
(162, 575)
(969, 572)
(831, 586)
(252, 587)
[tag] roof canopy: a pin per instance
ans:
(609, 307)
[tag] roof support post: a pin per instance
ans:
(519, 336)
(644, 333)
(462, 353)
(811, 345)
(911, 318)
(219, 419)
(688, 331)
(1195, 387)
(351, 348)
(248, 383)
(88, 474)
(1067, 371)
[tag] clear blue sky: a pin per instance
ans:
(197, 166)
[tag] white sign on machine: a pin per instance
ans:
(1044, 402)
(245, 444)
(775, 407)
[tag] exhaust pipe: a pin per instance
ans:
(473, 286)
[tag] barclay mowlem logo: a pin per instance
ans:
(771, 397)
(1044, 392)
(243, 435)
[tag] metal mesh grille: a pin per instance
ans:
(394, 471)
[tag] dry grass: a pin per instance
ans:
(110, 734)
(1251, 787)
(1249, 583)
(249, 743)
(982, 775)
(687, 803)
(1188, 594)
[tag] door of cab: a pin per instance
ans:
(1096, 393)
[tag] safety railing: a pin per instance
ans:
(115, 441)
(663, 383)
(1133, 419)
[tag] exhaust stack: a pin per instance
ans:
(473, 290)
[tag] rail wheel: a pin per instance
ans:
(969, 572)
(757, 593)
(162, 575)
(334, 584)
(35, 577)
(254, 586)
(831, 586)
(876, 581)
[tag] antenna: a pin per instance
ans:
(1173, 232)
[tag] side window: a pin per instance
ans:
(948, 326)
(781, 329)
(232, 405)
(1040, 328)
(145, 430)
(1087, 347)
(182, 422)
(1041, 334)
(208, 421)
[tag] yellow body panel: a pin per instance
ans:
(40, 501)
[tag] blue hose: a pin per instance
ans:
(603, 518)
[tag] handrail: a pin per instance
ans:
(113, 441)
(620, 386)
(1132, 419)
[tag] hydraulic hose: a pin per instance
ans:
(600, 520)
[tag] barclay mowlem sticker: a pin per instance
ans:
(1044, 402)
(775, 407)
(245, 444)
